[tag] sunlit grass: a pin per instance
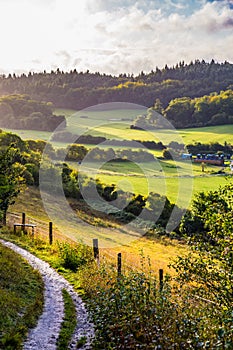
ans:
(109, 124)
(220, 133)
(21, 298)
(159, 251)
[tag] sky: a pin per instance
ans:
(112, 36)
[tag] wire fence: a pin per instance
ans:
(42, 229)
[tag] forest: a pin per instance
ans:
(184, 112)
(169, 85)
(21, 112)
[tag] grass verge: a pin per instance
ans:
(69, 322)
(21, 299)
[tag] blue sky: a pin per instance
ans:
(112, 36)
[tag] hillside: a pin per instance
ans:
(77, 90)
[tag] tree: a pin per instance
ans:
(180, 111)
(76, 153)
(206, 273)
(209, 227)
(11, 180)
(136, 205)
(158, 107)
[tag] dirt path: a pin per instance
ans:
(44, 336)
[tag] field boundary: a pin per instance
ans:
(42, 230)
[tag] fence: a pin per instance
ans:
(48, 232)
(44, 230)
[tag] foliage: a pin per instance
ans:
(132, 311)
(167, 154)
(21, 112)
(97, 154)
(210, 267)
(21, 299)
(212, 147)
(136, 205)
(77, 90)
(69, 322)
(11, 180)
(75, 152)
(73, 256)
(213, 109)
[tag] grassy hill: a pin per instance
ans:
(159, 251)
(110, 125)
(220, 133)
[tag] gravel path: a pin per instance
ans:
(45, 334)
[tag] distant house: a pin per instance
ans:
(213, 159)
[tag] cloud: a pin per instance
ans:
(228, 22)
(113, 36)
(228, 3)
(65, 57)
(213, 17)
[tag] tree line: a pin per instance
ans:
(21, 112)
(78, 90)
(66, 136)
(184, 112)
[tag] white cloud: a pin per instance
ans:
(106, 36)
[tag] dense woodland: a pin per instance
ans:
(21, 112)
(77, 90)
(213, 109)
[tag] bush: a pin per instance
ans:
(74, 256)
(166, 154)
(132, 312)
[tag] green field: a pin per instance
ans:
(115, 124)
(109, 124)
(166, 186)
(220, 133)
(164, 177)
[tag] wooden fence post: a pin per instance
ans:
(119, 263)
(50, 232)
(23, 221)
(161, 280)
(96, 250)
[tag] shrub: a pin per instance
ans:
(74, 256)
(132, 312)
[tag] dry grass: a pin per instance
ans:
(158, 251)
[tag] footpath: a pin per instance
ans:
(44, 336)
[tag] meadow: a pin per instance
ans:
(112, 239)
(121, 305)
(162, 176)
(115, 124)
